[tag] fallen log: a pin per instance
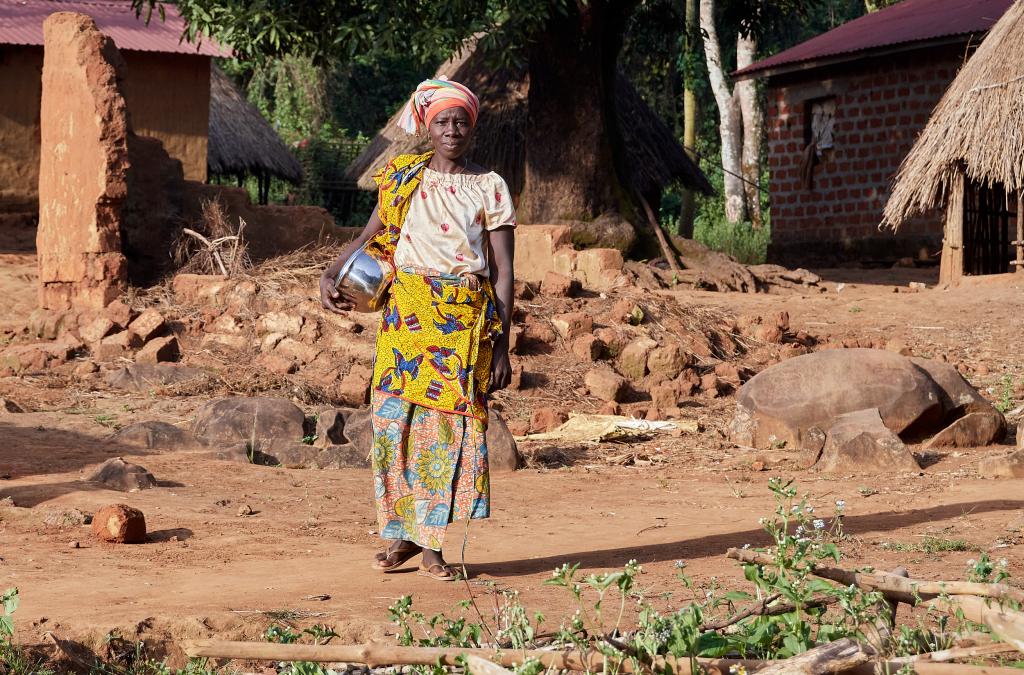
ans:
(376, 654)
(766, 608)
(831, 657)
(955, 653)
(894, 587)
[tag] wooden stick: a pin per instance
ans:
(959, 653)
(209, 247)
(1006, 623)
(666, 250)
(766, 608)
(894, 587)
(375, 654)
(831, 657)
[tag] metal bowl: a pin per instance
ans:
(365, 279)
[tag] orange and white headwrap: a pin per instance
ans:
(433, 96)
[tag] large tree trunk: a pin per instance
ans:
(689, 206)
(573, 169)
(729, 121)
(753, 130)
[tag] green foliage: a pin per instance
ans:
(1005, 402)
(13, 659)
(931, 544)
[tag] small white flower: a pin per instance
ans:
(795, 509)
(746, 546)
(799, 531)
(680, 564)
(819, 524)
(762, 520)
(971, 562)
(808, 509)
(841, 504)
(802, 540)
(1003, 562)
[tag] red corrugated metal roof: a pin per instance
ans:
(901, 24)
(21, 23)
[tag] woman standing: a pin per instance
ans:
(442, 343)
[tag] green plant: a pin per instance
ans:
(1005, 401)
(930, 544)
(14, 660)
(108, 421)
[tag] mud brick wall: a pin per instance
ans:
(881, 105)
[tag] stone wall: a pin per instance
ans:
(881, 105)
(83, 166)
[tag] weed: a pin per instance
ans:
(930, 544)
(856, 309)
(1005, 401)
(13, 659)
(865, 491)
(108, 421)
(309, 439)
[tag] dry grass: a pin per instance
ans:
(222, 250)
(977, 128)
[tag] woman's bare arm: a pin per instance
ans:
(329, 296)
(502, 245)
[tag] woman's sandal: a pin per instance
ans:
(395, 557)
(442, 573)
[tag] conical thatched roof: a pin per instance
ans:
(240, 139)
(977, 127)
(654, 157)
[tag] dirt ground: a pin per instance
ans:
(209, 572)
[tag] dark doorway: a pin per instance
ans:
(990, 219)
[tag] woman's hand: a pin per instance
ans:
(501, 369)
(331, 298)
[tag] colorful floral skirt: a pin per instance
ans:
(429, 469)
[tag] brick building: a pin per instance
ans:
(843, 110)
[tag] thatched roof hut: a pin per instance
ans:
(970, 156)
(654, 158)
(241, 141)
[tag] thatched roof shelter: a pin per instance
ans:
(975, 132)
(654, 158)
(241, 141)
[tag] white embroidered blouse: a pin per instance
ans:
(448, 221)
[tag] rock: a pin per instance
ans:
(859, 442)
(587, 348)
(1005, 466)
(330, 427)
(572, 325)
(83, 166)
(143, 377)
(49, 325)
(769, 334)
(154, 435)
(609, 230)
(557, 285)
(148, 325)
(270, 341)
(664, 396)
(115, 346)
(293, 349)
(275, 363)
(546, 419)
(710, 386)
(119, 312)
(633, 359)
(245, 510)
(159, 350)
(610, 408)
(85, 368)
(117, 474)
(973, 430)
(30, 358)
(200, 289)
(343, 456)
(120, 524)
(957, 395)
(354, 388)
(7, 406)
(598, 267)
(229, 324)
(359, 428)
(729, 373)
(518, 428)
(502, 452)
(606, 384)
(785, 400)
(688, 382)
(667, 360)
(613, 340)
(898, 346)
(627, 311)
(291, 456)
(74, 544)
(280, 322)
(97, 329)
(66, 518)
(221, 341)
(522, 290)
(537, 331)
(260, 421)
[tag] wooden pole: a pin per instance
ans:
(376, 654)
(666, 250)
(893, 586)
(1018, 263)
(951, 267)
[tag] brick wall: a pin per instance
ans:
(881, 105)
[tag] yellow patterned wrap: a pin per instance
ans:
(396, 182)
(434, 344)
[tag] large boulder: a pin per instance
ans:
(142, 377)
(783, 403)
(259, 421)
(972, 420)
(153, 435)
(858, 442)
(117, 474)
(120, 524)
